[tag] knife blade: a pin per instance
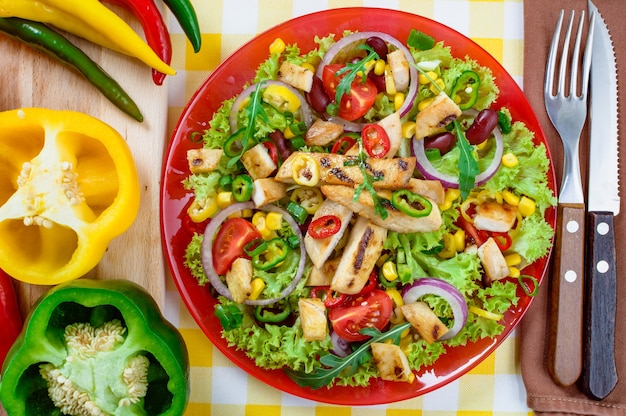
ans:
(599, 375)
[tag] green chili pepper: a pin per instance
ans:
(275, 253)
(297, 211)
(44, 39)
(242, 188)
(185, 14)
(465, 89)
(255, 247)
(226, 183)
(297, 142)
(234, 145)
(410, 203)
(273, 314)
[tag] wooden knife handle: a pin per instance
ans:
(566, 317)
(599, 375)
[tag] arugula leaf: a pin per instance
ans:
(368, 179)
(253, 110)
(352, 69)
(345, 366)
(468, 165)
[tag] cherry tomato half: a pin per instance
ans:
(356, 102)
(230, 241)
(372, 309)
(375, 140)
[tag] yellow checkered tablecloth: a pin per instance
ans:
(218, 387)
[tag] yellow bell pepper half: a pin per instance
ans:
(68, 186)
(90, 20)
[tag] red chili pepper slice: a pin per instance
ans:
(324, 226)
(342, 145)
(503, 240)
(375, 140)
(331, 299)
(371, 284)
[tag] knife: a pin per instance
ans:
(599, 375)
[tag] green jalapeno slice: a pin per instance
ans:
(410, 203)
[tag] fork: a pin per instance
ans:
(567, 109)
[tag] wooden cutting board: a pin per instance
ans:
(32, 79)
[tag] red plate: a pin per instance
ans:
(227, 81)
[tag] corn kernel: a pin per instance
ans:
(513, 259)
(379, 67)
(526, 206)
(257, 285)
(509, 160)
(449, 247)
(398, 100)
(424, 103)
(438, 86)
(258, 218)
(514, 272)
(277, 47)
(459, 240)
(247, 213)
(396, 297)
(308, 66)
(510, 198)
(225, 199)
(426, 78)
(389, 270)
(274, 220)
(452, 194)
(408, 129)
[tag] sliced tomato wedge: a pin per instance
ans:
(371, 309)
(230, 241)
(357, 101)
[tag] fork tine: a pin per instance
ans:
(565, 62)
(550, 66)
(573, 81)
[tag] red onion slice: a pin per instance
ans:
(207, 252)
(305, 111)
(358, 38)
(434, 286)
(428, 171)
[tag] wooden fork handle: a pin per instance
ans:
(599, 375)
(566, 317)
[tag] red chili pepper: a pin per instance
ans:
(11, 317)
(330, 298)
(342, 145)
(324, 226)
(371, 284)
(375, 140)
(154, 28)
(503, 240)
(272, 150)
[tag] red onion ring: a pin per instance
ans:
(348, 41)
(434, 286)
(428, 171)
(305, 110)
(207, 252)
(341, 347)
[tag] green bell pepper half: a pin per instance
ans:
(136, 341)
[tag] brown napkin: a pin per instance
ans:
(544, 396)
